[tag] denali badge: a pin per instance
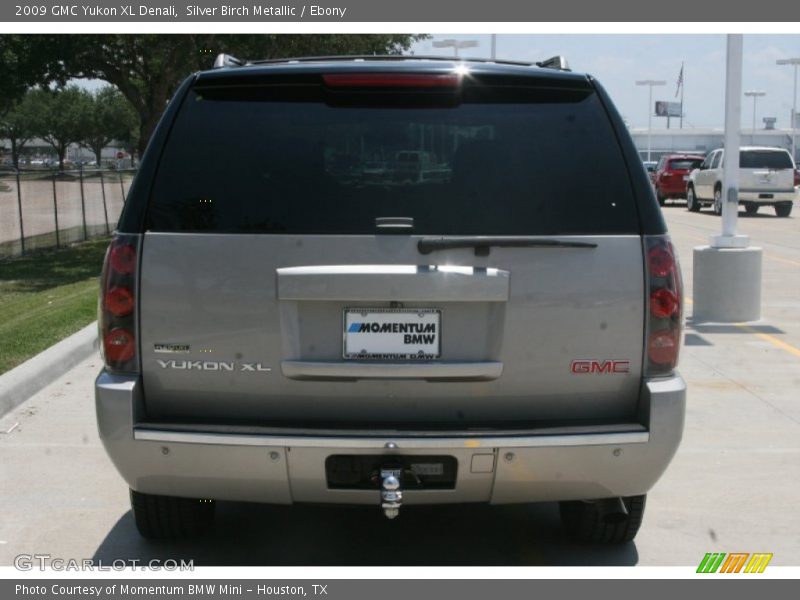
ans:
(603, 367)
(171, 348)
(211, 365)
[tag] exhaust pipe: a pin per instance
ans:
(611, 510)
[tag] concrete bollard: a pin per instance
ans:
(726, 284)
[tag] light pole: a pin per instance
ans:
(755, 94)
(456, 45)
(650, 83)
(794, 62)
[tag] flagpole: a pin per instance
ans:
(683, 85)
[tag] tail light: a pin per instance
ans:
(664, 306)
(797, 177)
(117, 307)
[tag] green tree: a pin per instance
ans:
(111, 118)
(61, 117)
(148, 68)
(18, 125)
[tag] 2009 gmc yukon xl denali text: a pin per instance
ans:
(292, 311)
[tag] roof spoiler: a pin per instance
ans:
(224, 61)
(557, 62)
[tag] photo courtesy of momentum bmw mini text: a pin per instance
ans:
(424, 298)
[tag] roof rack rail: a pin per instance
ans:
(557, 62)
(227, 60)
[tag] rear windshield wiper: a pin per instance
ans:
(482, 244)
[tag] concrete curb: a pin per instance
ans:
(22, 382)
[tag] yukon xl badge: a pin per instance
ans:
(211, 365)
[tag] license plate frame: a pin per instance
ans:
(365, 349)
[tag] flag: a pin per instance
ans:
(680, 81)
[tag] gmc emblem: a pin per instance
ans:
(604, 367)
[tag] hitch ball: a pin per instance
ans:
(391, 494)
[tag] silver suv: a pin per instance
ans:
(286, 316)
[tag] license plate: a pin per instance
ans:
(392, 333)
(686, 178)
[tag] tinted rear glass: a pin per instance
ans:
(687, 164)
(766, 159)
(267, 161)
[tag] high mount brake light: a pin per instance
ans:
(664, 306)
(389, 80)
(117, 306)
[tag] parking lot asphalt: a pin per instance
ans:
(734, 485)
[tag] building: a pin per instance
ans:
(702, 141)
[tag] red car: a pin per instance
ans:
(672, 173)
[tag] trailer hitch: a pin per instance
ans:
(391, 494)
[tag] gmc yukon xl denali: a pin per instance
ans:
(285, 318)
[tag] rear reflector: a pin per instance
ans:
(385, 80)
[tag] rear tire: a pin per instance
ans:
(751, 208)
(582, 522)
(718, 201)
(783, 210)
(691, 200)
(662, 200)
(167, 517)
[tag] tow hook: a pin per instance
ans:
(391, 494)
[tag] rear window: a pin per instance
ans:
(687, 164)
(266, 160)
(764, 159)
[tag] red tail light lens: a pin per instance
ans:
(119, 345)
(663, 303)
(119, 301)
(383, 80)
(797, 177)
(123, 259)
(662, 347)
(665, 307)
(660, 260)
(117, 306)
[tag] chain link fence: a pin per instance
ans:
(49, 209)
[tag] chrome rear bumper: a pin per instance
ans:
(548, 464)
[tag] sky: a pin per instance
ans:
(618, 60)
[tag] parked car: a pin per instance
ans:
(672, 174)
(650, 167)
(275, 331)
(766, 178)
